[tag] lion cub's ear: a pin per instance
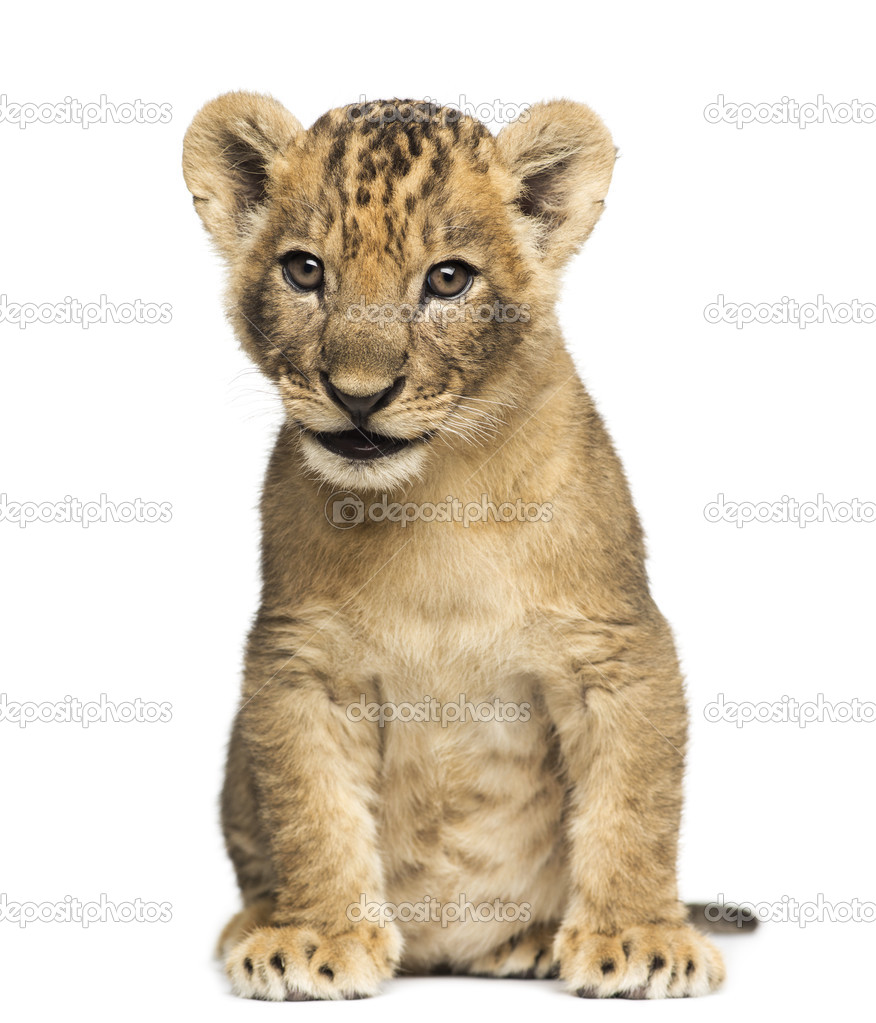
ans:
(562, 157)
(227, 156)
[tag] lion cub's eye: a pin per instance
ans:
(303, 271)
(449, 280)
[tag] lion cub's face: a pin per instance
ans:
(386, 264)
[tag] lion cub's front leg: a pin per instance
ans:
(312, 776)
(622, 724)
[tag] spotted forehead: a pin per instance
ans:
(379, 171)
(387, 138)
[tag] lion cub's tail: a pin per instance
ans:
(721, 917)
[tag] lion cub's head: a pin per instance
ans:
(393, 268)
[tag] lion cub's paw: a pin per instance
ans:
(298, 964)
(640, 962)
(527, 955)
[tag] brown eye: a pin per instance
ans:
(303, 271)
(449, 280)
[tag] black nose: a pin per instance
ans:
(361, 406)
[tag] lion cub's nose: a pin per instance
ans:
(361, 406)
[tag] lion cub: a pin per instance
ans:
(461, 737)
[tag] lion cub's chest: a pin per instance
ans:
(469, 802)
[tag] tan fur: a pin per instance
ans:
(573, 812)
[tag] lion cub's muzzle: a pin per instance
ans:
(360, 443)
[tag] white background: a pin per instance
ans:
(172, 413)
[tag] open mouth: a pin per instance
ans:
(362, 445)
